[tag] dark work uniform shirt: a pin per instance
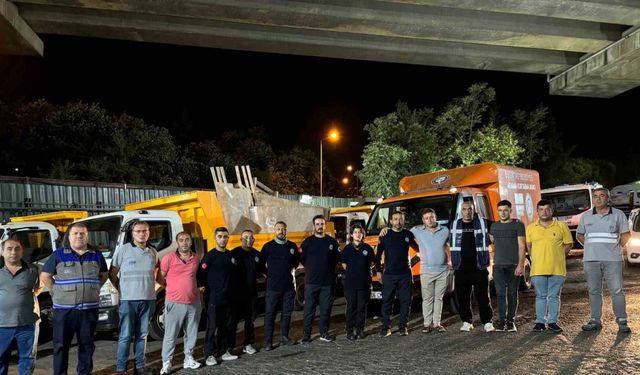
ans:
(395, 246)
(217, 272)
(358, 261)
(320, 256)
(280, 260)
(468, 248)
(250, 268)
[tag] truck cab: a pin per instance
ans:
(484, 185)
(344, 218)
(39, 240)
(570, 202)
(111, 230)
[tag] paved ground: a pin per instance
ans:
(574, 351)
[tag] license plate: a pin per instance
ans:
(376, 294)
(103, 316)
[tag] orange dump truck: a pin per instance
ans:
(444, 191)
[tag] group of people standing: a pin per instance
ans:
(465, 251)
(229, 280)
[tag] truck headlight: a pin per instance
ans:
(109, 295)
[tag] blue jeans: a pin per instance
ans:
(24, 336)
(548, 290)
(134, 323)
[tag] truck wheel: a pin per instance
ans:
(46, 317)
(156, 326)
(299, 301)
(454, 306)
(525, 280)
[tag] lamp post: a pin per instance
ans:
(353, 170)
(333, 136)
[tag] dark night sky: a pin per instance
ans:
(296, 98)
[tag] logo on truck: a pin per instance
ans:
(440, 179)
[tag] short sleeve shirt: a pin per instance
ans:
(547, 248)
(602, 235)
(136, 265)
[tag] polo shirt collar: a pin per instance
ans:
(24, 264)
(69, 250)
(595, 212)
(554, 221)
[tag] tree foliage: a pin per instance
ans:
(408, 141)
(400, 144)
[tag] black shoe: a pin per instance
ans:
(326, 337)
(306, 338)
(510, 327)
(351, 336)
(539, 327)
(385, 332)
(554, 327)
(142, 371)
(592, 325)
(285, 341)
(404, 331)
(267, 347)
(360, 334)
(500, 326)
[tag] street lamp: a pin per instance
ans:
(345, 181)
(351, 169)
(333, 137)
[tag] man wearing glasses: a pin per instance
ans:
(134, 270)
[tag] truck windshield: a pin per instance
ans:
(103, 233)
(569, 203)
(444, 206)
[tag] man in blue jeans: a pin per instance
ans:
(18, 321)
(548, 242)
(132, 272)
(80, 271)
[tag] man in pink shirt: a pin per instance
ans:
(182, 302)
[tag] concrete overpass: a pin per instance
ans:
(584, 47)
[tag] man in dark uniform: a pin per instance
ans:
(282, 258)
(217, 272)
(251, 266)
(319, 256)
(397, 272)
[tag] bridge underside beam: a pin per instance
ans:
(16, 37)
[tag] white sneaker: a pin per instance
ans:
(466, 327)
(249, 349)
(166, 368)
(229, 357)
(489, 327)
(211, 361)
(190, 362)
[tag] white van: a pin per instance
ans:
(633, 246)
(626, 197)
(570, 202)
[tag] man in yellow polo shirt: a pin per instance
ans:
(548, 242)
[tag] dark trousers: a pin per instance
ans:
(393, 285)
(507, 284)
(66, 324)
(315, 295)
(219, 330)
(478, 281)
(356, 308)
(244, 309)
(272, 300)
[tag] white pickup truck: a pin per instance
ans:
(39, 239)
